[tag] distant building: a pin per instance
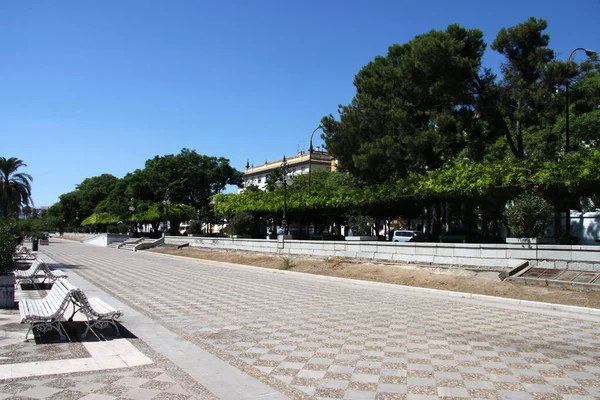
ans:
(298, 164)
(31, 212)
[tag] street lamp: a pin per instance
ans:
(588, 53)
(284, 171)
(310, 150)
(131, 210)
(96, 228)
(166, 203)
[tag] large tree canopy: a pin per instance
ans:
(431, 101)
(413, 109)
(187, 180)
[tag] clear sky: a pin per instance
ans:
(99, 87)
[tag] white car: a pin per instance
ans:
(405, 236)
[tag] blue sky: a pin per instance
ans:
(99, 87)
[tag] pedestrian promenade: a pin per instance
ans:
(202, 329)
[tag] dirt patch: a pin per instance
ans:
(458, 279)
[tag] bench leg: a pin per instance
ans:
(27, 334)
(46, 327)
(101, 324)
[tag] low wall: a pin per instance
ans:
(104, 239)
(481, 255)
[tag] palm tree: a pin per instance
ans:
(15, 187)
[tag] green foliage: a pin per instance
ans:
(92, 191)
(413, 109)
(15, 187)
(360, 224)
(9, 239)
(430, 101)
(240, 224)
(335, 195)
(287, 263)
(34, 227)
(529, 215)
(188, 179)
(195, 227)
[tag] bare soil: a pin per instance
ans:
(455, 278)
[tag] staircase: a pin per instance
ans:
(135, 244)
(128, 244)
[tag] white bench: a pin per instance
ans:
(38, 267)
(98, 313)
(45, 314)
(23, 253)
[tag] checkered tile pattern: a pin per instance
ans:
(327, 339)
(26, 352)
(138, 384)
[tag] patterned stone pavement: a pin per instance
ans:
(159, 380)
(309, 336)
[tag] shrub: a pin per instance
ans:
(360, 225)
(195, 227)
(287, 263)
(9, 239)
(240, 224)
(529, 215)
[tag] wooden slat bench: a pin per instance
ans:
(38, 267)
(45, 314)
(29, 274)
(23, 253)
(98, 313)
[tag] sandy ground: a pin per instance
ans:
(458, 279)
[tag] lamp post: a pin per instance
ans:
(166, 203)
(131, 210)
(284, 171)
(588, 53)
(310, 150)
(96, 228)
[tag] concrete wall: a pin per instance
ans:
(104, 239)
(482, 255)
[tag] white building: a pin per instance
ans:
(298, 164)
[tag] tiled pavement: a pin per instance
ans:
(309, 336)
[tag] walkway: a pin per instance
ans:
(245, 332)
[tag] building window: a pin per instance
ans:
(266, 178)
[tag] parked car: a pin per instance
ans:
(405, 236)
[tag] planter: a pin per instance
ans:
(7, 291)
(530, 241)
(361, 238)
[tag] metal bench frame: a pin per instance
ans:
(23, 253)
(36, 267)
(45, 314)
(98, 313)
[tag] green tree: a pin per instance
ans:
(413, 109)
(15, 187)
(187, 178)
(525, 102)
(91, 191)
(585, 108)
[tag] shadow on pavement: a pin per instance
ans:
(75, 329)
